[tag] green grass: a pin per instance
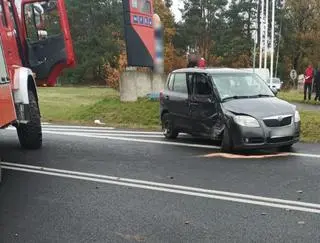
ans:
(310, 126)
(69, 105)
(295, 96)
(84, 105)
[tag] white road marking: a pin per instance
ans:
(133, 140)
(78, 127)
(101, 131)
(315, 156)
(125, 135)
(177, 189)
(48, 125)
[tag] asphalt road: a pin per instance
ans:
(105, 185)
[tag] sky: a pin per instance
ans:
(175, 9)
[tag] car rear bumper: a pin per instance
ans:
(265, 137)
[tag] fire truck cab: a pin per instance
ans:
(35, 46)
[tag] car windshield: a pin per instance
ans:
(240, 85)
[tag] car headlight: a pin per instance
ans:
(246, 121)
(297, 116)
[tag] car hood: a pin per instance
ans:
(259, 107)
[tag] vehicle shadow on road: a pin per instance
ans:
(252, 152)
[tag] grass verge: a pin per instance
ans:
(84, 105)
(310, 126)
(295, 96)
(69, 105)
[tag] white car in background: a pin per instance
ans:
(276, 83)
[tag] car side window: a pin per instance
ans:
(203, 86)
(180, 83)
(170, 82)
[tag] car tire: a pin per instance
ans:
(168, 128)
(287, 148)
(227, 143)
(30, 134)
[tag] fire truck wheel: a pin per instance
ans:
(30, 135)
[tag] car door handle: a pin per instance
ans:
(194, 103)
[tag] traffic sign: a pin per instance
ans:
(293, 74)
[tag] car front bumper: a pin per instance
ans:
(265, 137)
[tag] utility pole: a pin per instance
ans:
(261, 32)
(277, 60)
(272, 39)
(266, 35)
(254, 50)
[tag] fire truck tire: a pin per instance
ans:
(30, 135)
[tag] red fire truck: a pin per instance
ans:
(35, 46)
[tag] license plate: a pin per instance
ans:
(280, 133)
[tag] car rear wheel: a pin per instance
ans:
(168, 128)
(227, 143)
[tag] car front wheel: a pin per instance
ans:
(227, 143)
(168, 128)
(287, 148)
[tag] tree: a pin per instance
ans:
(95, 29)
(202, 24)
(301, 32)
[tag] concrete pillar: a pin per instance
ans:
(158, 82)
(143, 83)
(128, 87)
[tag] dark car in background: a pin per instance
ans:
(232, 106)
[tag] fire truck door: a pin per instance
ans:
(7, 108)
(9, 42)
(47, 33)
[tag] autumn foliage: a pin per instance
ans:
(221, 31)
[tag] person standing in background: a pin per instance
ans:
(192, 61)
(202, 63)
(308, 82)
(317, 85)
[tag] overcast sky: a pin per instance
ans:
(175, 9)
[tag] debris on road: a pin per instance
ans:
(98, 122)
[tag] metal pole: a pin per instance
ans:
(254, 50)
(261, 32)
(272, 39)
(280, 31)
(266, 35)
(277, 61)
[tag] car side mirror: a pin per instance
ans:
(274, 91)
